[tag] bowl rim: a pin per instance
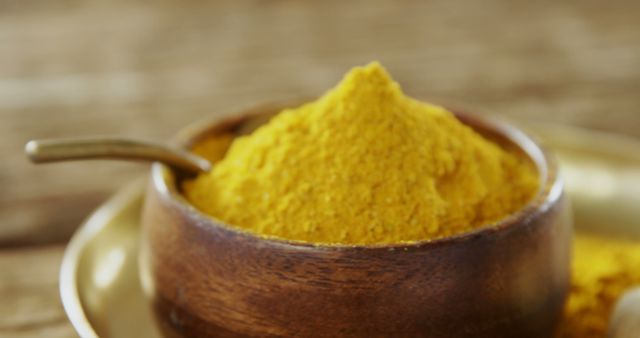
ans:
(163, 181)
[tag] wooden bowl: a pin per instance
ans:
(208, 279)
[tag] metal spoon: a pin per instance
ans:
(43, 151)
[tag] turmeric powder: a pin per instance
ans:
(602, 270)
(213, 148)
(364, 164)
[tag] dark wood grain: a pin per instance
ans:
(209, 280)
(30, 306)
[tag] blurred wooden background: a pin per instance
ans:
(72, 68)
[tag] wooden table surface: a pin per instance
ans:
(70, 68)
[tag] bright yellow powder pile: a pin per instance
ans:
(602, 270)
(364, 164)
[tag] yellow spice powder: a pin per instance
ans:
(213, 148)
(364, 164)
(602, 270)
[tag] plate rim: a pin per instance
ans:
(88, 229)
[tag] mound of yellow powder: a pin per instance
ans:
(364, 164)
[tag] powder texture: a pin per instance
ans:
(364, 164)
(602, 270)
(213, 147)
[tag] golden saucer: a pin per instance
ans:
(99, 281)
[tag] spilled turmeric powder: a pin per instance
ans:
(364, 164)
(603, 269)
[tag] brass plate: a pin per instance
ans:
(99, 281)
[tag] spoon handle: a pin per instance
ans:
(43, 151)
